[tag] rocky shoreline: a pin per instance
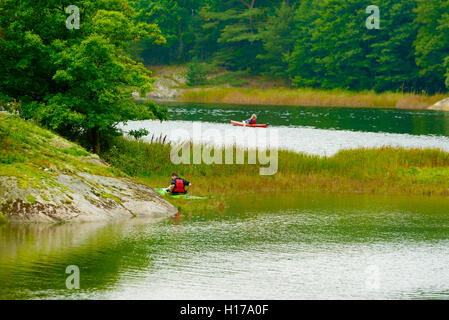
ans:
(442, 105)
(46, 178)
(79, 197)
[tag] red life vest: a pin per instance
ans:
(179, 186)
(252, 121)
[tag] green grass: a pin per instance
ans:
(234, 79)
(311, 97)
(3, 219)
(32, 153)
(370, 171)
(31, 199)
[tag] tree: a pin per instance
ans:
(196, 74)
(176, 19)
(432, 42)
(77, 82)
(304, 67)
(278, 38)
(391, 48)
(334, 49)
(238, 23)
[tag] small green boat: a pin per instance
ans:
(164, 193)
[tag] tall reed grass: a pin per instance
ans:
(311, 97)
(386, 170)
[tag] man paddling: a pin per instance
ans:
(178, 185)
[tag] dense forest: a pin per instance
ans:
(76, 80)
(313, 43)
(80, 80)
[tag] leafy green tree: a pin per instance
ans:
(238, 23)
(335, 53)
(138, 134)
(305, 68)
(334, 49)
(77, 82)
(176, 19)
(432, 42)
(278, 38)
(391, 49)
(196, 74)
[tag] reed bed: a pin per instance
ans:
(372, 171)
(311, 97)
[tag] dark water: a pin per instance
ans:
(262, 247)
(359, 119)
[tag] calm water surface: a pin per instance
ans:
(261, 247)
(320, 131)
(414, 122)
(279, 247)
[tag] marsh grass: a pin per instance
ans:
(311, 97)
(382, 171)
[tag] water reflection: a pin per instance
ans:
(267, 247)
(412, 122)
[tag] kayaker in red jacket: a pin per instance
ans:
(178, 185)
(252, 120)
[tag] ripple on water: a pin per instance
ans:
(300, 139)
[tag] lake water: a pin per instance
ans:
(279, 246)
(263, 247)
(318, 131)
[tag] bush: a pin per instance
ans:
(137, 134)
(197, 74)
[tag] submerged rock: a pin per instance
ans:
(441, 105)
(79, 197)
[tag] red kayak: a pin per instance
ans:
(243, 124)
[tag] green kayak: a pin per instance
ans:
(164, 193)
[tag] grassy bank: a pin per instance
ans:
(32, 153)
(310, 97)
(369, 171)
(240, 87)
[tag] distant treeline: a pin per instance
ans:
(313, 43)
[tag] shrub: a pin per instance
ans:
(197, 74)
(137, 134)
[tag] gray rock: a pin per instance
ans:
(441, 105)
(168, 85)
(79, 197)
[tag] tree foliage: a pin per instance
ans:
(77, 82)
(432, 43)
(318, 43)
(80, 82)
